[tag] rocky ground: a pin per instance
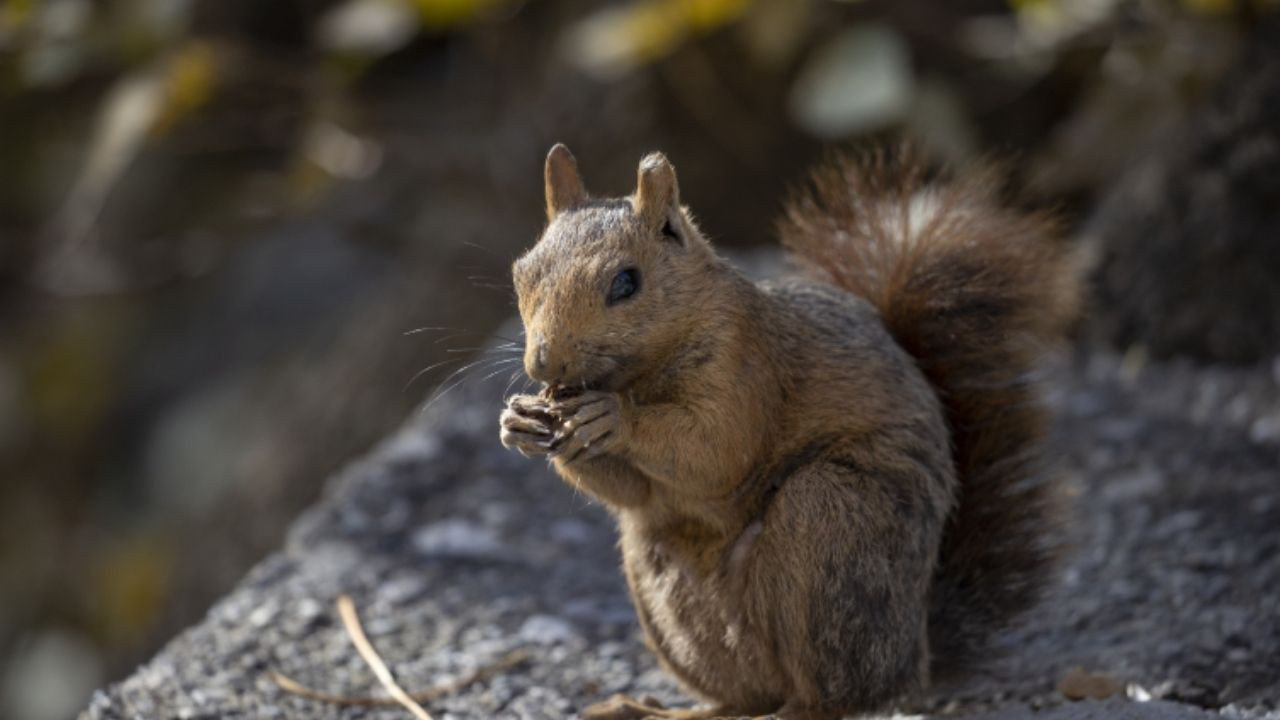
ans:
(457, 553)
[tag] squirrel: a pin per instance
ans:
(829, 489)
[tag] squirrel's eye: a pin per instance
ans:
(624, 285)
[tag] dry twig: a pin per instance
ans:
(398, 696)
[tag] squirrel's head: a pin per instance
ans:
(612, 285)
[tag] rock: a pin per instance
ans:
(547, 630)
(457, 553)
(459, 538)
(1095, 710)
(1189, 242)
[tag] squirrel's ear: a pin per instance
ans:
(564, 185)
(656, 189)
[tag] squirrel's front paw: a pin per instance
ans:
(528, 425)
(591, 424)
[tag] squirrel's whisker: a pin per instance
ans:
(486, 363)
(500, 370)
(415, 331)
(485, 349)
(462, 369)
(428, 369)
(515, 375)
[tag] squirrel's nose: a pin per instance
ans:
(540, 355)
(536, 360)
(547, 360)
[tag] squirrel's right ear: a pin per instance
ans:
(564, 184)
(657, 192)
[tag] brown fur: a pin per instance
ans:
(975, 295)
(781, 469)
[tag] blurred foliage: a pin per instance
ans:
(188, 83)
(218, 217)
(132, 576)
(620, 38)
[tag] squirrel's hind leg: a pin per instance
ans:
(621, 707)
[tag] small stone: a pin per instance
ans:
(1192, 692)
(547, 630)
(307, 608)
(262, 614)
(458, 538)
(1137, 693)
(402, 589)
(411, 446)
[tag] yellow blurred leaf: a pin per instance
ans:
(1210, 7)
(449, 13)
(188, 83)
(650, 30)
(705, 15)
(1045, 24)
(68, 373)
(131, 578)
(14, 14)
(775, 30)
(616, 39)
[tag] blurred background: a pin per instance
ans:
(222, 222)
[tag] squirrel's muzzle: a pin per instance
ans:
(539, 362)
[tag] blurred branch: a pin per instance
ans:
(151, 99)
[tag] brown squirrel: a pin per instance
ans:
(828, 491)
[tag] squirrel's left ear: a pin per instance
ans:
(657, 193)
(564, 184)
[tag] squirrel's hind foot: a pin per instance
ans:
(622, 707)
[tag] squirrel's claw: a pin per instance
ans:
(529, 432)
(515, 422)
(593, 427)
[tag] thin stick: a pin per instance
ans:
(351, 621)
(511, 659)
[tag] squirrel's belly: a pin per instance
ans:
(699, 628)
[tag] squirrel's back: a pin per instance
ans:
(974, 292)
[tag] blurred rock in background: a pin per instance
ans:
(232, 233)
(1189, 242)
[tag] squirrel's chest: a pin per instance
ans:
(700, 624)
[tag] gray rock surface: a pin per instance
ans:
(457, 552)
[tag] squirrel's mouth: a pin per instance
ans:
(606, 374)
(610, 381)
(563, 391)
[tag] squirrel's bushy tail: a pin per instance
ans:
(975, 293)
